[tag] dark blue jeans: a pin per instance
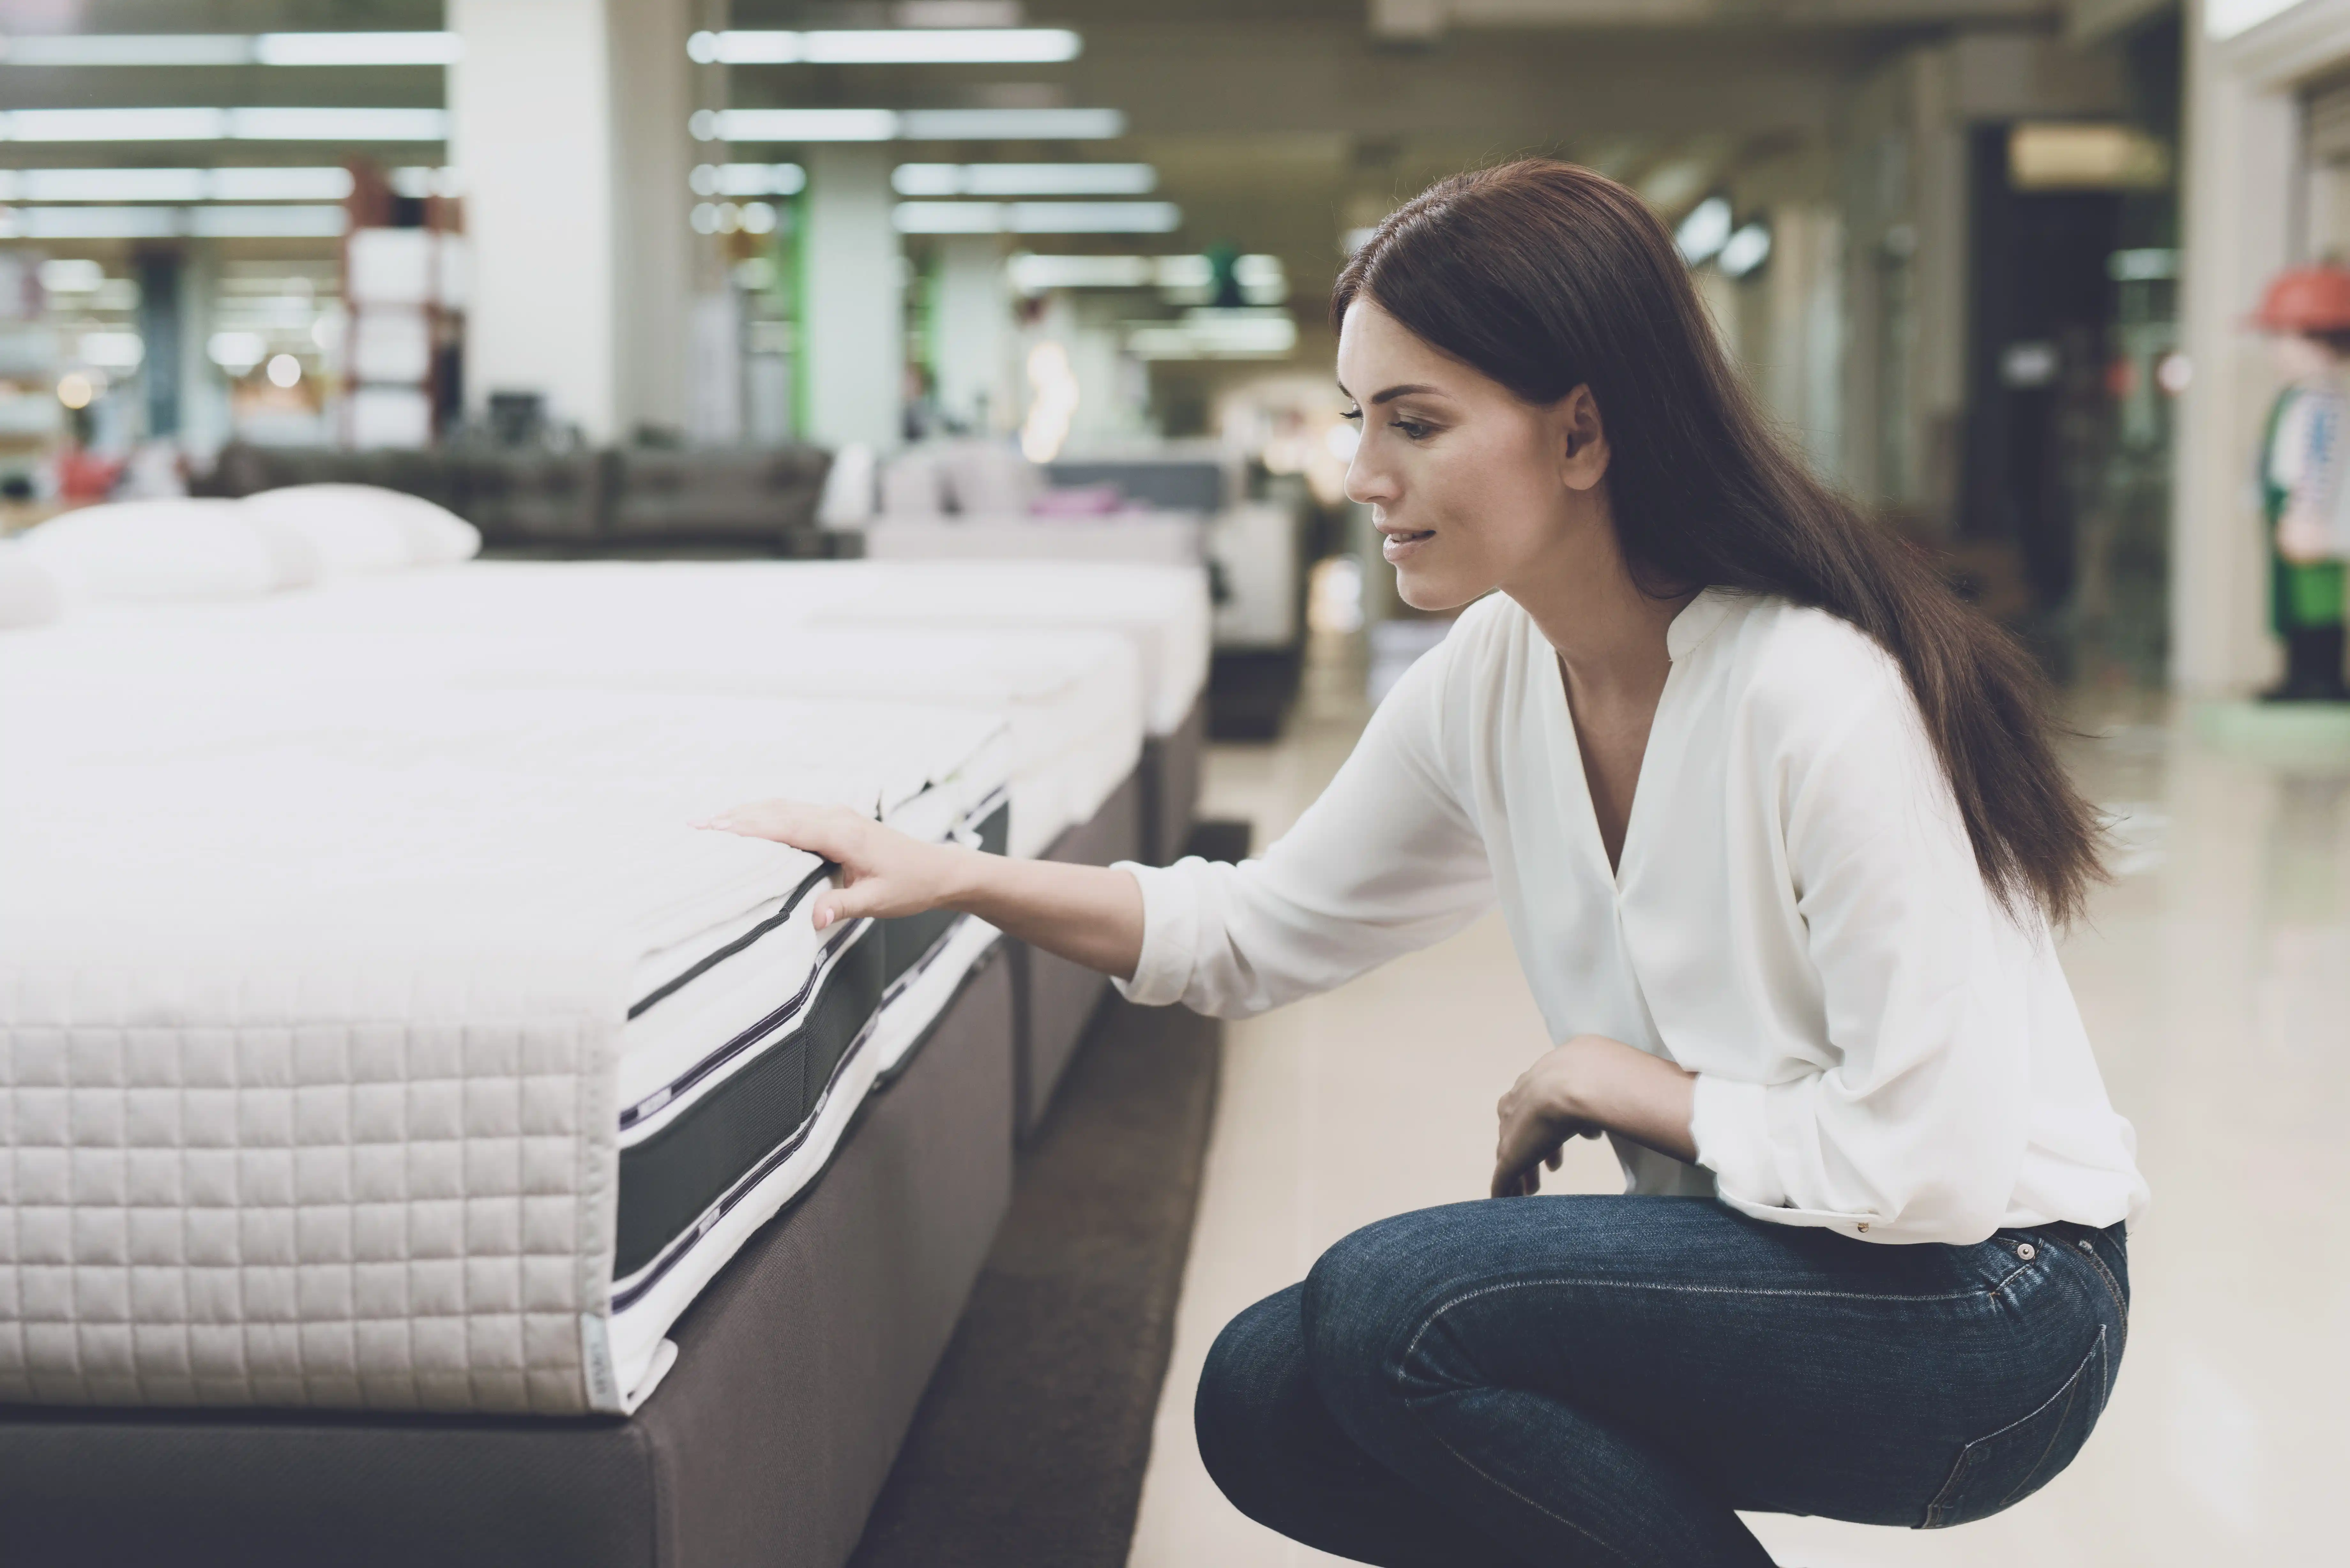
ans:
(1603, 1380)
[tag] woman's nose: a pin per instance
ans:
(1368, 483)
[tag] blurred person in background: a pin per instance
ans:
(2303, 469)
(1782, 839)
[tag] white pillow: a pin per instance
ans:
(365, 528)
(28, 593)
(348, 539)
(175, 549)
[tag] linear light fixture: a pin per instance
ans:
(1215, 335)
(906, 125)
(225, 125)
(412, 48)
(889, 47)
(748, 179)
(1037, 217)
(1024, 178)
(175, 184)
(1262, 279)
(89, 222)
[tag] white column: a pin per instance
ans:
(2236, 219)
(973, 334)
(569, 120)
(855, 330)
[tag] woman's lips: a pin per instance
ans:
(1402, 543)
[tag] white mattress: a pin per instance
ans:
(315, 1019)
(1069, 698)
(1162, 611)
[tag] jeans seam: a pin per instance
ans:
(1429, 1321)
(1482, 1474)
(1958, 1467)
(2121, 1310)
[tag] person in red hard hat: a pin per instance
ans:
(2305, 478)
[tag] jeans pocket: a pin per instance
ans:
(1997, 1472)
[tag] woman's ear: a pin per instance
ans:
(1581, 440)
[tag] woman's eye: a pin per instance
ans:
(1412, 429)
(1353, 415)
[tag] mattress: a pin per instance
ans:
(1161, 611)
(1069, 700)
(370, 1046)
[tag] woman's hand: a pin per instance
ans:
(1588, 1085)
(883, 872)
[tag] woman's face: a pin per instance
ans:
(1472, 489)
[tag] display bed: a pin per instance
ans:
(801, 1366)
(420, 1055)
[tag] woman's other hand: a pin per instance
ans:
(883, 873)
(1585, 1086)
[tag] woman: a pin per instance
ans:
(1780, 835)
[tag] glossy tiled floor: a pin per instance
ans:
(2215, 976)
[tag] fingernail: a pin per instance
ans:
(823, 918)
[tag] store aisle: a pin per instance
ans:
(2215, 978)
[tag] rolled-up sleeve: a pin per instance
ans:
(1910, 1120)
(1386, 861)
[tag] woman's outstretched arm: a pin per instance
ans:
(1090, 915)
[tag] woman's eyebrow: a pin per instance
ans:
(1405, 390)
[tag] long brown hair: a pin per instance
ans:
(1545, 277)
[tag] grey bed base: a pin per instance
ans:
(1055, 997)
(799, 1369)
(1170, 785)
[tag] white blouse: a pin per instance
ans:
(1798, 920)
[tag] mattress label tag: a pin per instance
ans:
(596, 1361)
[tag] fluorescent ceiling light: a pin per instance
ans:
(225, 125)
(1262, 278)
(1011, 124)
(87, 222)
(1215, 335)
(1704, 230)
(748, 179)
(891, 47)
(359, 48)
(1024, 178)
(267, 223)
(175, 184)
(129, 50)
(416, 49)
(905, 125)
(1745, 251)
(279, 184)
(338, 124)
(114, 125)
(1037, 217)
(795, 125)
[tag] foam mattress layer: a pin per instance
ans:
(1070, 699)
(1161, 611)
(316, 1009)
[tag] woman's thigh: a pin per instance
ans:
(1787, 1369)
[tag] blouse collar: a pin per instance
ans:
(1697, 621)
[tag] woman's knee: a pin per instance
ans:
(1250, 1389)
(1364, 1298)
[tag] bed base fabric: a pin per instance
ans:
(1056, 997)
(801, 1365)
(1170, 785)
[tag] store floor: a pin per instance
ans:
(2215, 976)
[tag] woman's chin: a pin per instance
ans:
(1431, 592)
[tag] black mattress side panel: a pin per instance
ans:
(672, 1179)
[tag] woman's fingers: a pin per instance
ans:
(833, 831)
